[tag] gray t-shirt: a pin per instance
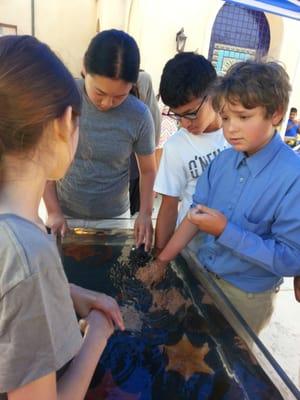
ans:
(96, 186)
(147, 95)
(39, 332)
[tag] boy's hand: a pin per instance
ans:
(208, 220)
(297, 287)
(153, 272)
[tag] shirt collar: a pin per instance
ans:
(259, 160)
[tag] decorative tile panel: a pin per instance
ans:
(238, 34)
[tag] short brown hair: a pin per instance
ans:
(35, 88)
(254, 84)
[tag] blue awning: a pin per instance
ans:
(285, 8)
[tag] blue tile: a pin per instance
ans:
(240, 27)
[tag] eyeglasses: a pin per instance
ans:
(189, 115)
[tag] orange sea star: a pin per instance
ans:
(187, 359)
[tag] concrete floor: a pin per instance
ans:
(282, 335)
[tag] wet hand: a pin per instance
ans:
(57, 223)
(152, 273)
(97, 321)
(85, 300)
(208, 219)
(297, 287)
(143, 231)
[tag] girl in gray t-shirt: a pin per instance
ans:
(39, 333)
(114, 124)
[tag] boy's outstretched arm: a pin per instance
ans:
(182, 236)
(155, 271)
(166, 222)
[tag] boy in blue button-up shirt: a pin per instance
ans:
(247, 200)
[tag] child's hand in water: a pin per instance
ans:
(152, 273)
(85, 300)
(97, 322)
(207, 219)
(110, 307)
(297, 287)
(143, 231)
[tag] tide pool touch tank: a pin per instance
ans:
(176, 345)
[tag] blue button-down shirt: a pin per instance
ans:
(260, 196)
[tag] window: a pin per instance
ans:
(6, 29)
(238, 34)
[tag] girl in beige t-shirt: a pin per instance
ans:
(39, 333)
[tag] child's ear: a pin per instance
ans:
(277, 117)
(83, 72)
(64, 125)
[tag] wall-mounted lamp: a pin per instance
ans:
(180, 40)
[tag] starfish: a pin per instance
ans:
(170, 300)
(78, 252)
(187, 359)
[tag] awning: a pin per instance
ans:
(284, 8)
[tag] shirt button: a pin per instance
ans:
(241, 179)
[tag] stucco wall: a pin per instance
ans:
(113, 14)
(68, 25)
(18, 13)
(290, 56)
(155, 24)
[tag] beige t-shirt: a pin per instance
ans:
(39, 332)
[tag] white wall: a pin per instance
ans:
(290, 56)
(113, 14)
(67, 26)
(155, 23)
(18, 13)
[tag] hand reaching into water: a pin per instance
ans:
(143, 231)
(85, 300)
(152, 273)
(97, 322)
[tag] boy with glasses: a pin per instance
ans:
(185, 87)
(246, 203)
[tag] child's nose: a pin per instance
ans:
(231, 126)
(107, 102)
(185, 123)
